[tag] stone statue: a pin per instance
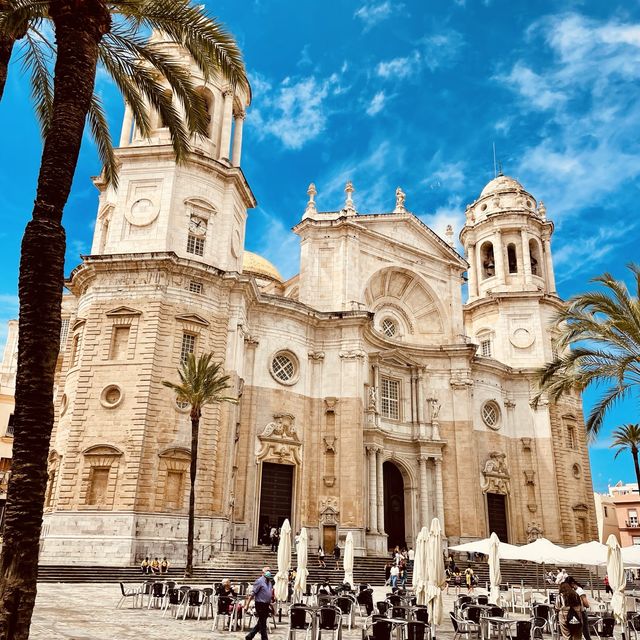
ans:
(542, 210)
(400, 198)
(373, 398)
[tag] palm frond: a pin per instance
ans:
(36, 63)
(102, 138)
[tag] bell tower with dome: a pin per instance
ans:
(511, 285)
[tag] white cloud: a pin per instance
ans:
(534, 88)
(278, 243)
(449, 175)
(441, 49)
(372, 14)
(377, 104)
(451, 213)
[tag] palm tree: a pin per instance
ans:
(598, 344)
(82, 30)
(628, 437)
(201, 383)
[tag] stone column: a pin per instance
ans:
(380, 492)
(424, 491)
(548, 263)
(526, 256)
(498, 256)
(125, 134)
(237, 139)
(439, 493)
(373, 489)
(227, 116)
(472, 273)
(420, 412)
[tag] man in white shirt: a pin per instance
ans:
(561, 577)
(411, 556)
(393, 576)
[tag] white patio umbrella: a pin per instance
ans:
(284, 562)
(588, 554)
(300, 583)
(505, 552)
(494, 569)
(631, 556)
(542, 551)
(617, 579)
(348, 559)
(418, 579)
(435, 574)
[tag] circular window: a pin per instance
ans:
(64, 403)
(284, 367)
(389, 327)
(182, 405)
(491, 415)
(111, 396)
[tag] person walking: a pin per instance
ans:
(262, 594)
(607, 586)
(569, 608)
(321, 554)
(336, 556)
(584, 601)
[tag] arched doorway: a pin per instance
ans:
(393, 505)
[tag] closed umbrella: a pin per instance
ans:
(435, 574)
(418, 579)
(494, 569)
(348, 560)
(617, 579)
(300, 583)
(284, 562)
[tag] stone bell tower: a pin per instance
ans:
(512, 292)
(197, 209)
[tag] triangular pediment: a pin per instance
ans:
(123, 311)
(395, 357)
(193, 318)
(409, 231)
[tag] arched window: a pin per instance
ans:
(207, 96)
(512, 258)
(534, 256)
(487, 260)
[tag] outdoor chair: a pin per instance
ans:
(417, 631)
(157, 595)
(464, 628)
(300, 619)
(546, 613)
(421, 614)
(521, 600)
(383, 606)
(345, 604)
(145, 590)
(482, 600)
(193, 601)
(207, 603)
(633, 622)
(522, 630)
(329, 619)
(128, 592)
(505, 600)
(498, 612)
(365, 602)
(538, 628)
(325, 599)
(537, 597)
(400, 613)
(224, 607)
(242, 588)
(606, 630)
(394, 599)
(378, 629)
(472, 613)
(172, 601)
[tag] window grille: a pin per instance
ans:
(195, 287)
(390, 398)
(195, 245)
(633, 517)
(490, 414)
(10, 425)
(188, 346)
(64, 332)
(571, 437)
(283, 367)
(389, 327)
(485, 347)
(75, 353)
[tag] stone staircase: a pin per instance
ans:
(245, 566)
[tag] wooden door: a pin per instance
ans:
(497, 511)
(328, 538)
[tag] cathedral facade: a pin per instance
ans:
(372, 397)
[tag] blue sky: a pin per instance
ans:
(412, 94)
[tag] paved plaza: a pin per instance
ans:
(88, 612)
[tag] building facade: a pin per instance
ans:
(371, 396)
(617, 513)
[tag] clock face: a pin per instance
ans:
(142, 212)
(197, 226)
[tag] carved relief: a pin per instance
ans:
(329, 511)
(279, 441)
(534, 531)
(460, 379)
(496, 474)
(329, 444)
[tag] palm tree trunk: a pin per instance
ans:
(195, 428)
(634, 453)
(79, 27)
(6, 47)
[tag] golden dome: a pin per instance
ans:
(259, 266)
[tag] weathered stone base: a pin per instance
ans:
(121, 539)
(377, 544)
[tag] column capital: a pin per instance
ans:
(437, 462)
(371, 450)
(240, 115)
(227, 91)
(422, 460)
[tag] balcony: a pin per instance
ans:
(631, 524)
